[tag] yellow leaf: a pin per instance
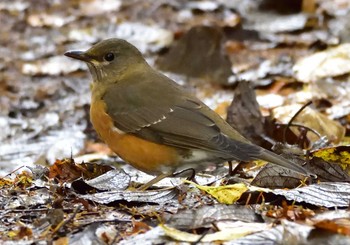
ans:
(224, 235)
(339, 154)
(12, 234)
(227, 194)
(61, 241)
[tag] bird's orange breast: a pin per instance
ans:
(144, 155)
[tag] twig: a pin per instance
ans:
(292, 119)
(13, 171)
(64, 222)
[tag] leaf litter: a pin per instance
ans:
(289, 53)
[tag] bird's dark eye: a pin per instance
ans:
(109, 57)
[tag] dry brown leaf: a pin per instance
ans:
(290, 212)
(312, 119)
(341, 226)
(329, 63)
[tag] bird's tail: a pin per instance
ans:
(281, 161)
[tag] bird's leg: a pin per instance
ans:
(191, 177)
(230, 170)
(153, 181)
(165, 175)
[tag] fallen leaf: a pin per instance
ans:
(222, 235)
(111, 180)
(159, 196)
(341, 226)
(20, 233)
(290, 212)
(227, 194)
(64, 170)
(331, 163)
(328, 63)
(272, 176)
(204, 216)
(312, 119)
(324, 194)
(200, 41)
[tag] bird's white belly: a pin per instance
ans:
(198, 160)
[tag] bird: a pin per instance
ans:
(156, 125)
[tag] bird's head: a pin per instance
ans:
(110, 59)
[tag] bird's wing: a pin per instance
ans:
(164, 113)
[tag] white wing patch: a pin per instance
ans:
(117, 130)
(156, 122)
(196, 156)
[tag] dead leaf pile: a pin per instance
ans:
(277, 70)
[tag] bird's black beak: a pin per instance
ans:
(79, 55)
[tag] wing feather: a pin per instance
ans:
(173, 118)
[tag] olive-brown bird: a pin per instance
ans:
(153, 123)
